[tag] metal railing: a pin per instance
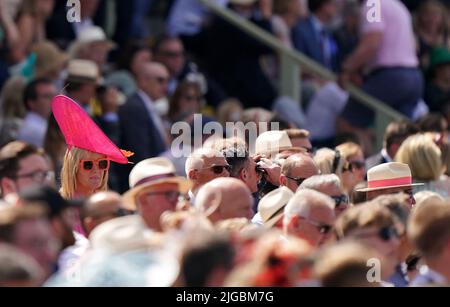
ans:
(292, 62)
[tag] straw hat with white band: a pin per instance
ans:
(152, 172)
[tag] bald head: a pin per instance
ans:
(204, 165)
(152, 78)
(100, 208)
(227, 197)
(298, 166)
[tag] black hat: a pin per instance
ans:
(50, 198)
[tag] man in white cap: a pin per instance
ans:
(271, 143)
(154, 189)
(92, 44)
(390, 178)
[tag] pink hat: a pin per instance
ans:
(80, 131)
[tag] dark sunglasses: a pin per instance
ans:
(102, 164)
(322, 228)
(299, 181)
(387, 233)
(171, 196)
(358, 164)
(218, 169)
(341, 199)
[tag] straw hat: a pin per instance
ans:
(388, 176)
(152, 172)
(273, 142)
(83, 71)
(48, 58)
(88, 36)
(271, 206)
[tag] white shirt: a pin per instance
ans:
(188, 16)
(191, 197)
(324, 109)
(33, 130)
(427, 277)
(71, 256)
(386, 156)
(79, 27)
(157, 121)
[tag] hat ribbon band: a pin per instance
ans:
(153, 178)
(389, 182)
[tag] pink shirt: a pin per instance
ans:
(398, 46)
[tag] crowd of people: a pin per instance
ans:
(94, 190)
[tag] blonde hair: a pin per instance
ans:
(325, 159)
(69, 173)
(367, 215)
(349, 149)
(423, 157)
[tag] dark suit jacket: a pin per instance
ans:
(307, 41)
(375, 160)
(138, 134)
(233, 60)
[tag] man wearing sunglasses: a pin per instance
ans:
(296, 169)
(23, 166)
(155, 189)
(203, 166)
(376, 226)
(300, 138)
(329, 185)
(309, 215)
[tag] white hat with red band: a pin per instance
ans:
(389, 176)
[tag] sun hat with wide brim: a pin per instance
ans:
(88, 36)
(389, 176)
(80, 131)
(271, 143)
(271, 206)
(152, 172)
(48, 58)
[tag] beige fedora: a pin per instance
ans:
(152, 172)
(271, 143)
(48, 58)
(389, 176)
(83, 71)
(271, 206)
(88, 36)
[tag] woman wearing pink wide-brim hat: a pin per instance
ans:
(89, 153)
